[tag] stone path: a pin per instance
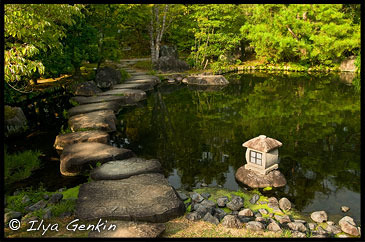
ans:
(127, 190)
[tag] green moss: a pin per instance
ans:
(145, 65)
(267, 188)
(71, 192)
(20, 165)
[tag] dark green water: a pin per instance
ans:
(197, 135)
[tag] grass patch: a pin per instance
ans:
(144, 65)
(15, 202)
(20, 165)
(62, 207)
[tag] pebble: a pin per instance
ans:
(345, 209)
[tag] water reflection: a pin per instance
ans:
(197, 134)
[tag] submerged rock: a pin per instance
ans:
(255, 180)
(146, 197)
(78, 157)
(126, 229)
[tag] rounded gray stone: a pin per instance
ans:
(120, 169)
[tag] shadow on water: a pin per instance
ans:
(197, 135)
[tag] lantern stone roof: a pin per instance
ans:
(262, 143)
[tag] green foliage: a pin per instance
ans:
(20, 165)
(314, 34)
(358, 63)
(144, 65)
(216, 32)
(73, 102)
(267, 189)
(65, 130)
(29, 29)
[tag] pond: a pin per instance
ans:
(197, 135)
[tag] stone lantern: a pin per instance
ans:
(262, 154)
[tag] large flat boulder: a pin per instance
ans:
(92, 107)
(88, 88)
(98, 99)
(104, 120)
(120, 169)
(146, 197)
(106, 77)
(141, 86)
(206, 80)
(62, 140)
(129, 229)
(255, 180)
(77, 157)
(131, 95)
(15, 121)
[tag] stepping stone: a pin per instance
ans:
(62, 140)
(126, 229)
(78, 157)
(103, 120)
(138, 73)
(91, 107)
(142, 86)
(144, 77)
(97, 99)
(146, 197)
(132, 95)
(152, 82)
(120, 169)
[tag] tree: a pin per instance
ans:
(216, 32)
(307, 33)
(162, 15)
(29, 29)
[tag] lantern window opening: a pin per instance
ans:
(255, 157)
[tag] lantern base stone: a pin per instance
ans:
(254, 179)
